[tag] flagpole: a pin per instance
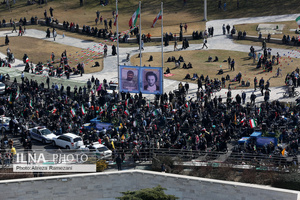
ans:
(140, 31)
(118, 44)
(162, 45)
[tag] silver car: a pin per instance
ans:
(2, 88)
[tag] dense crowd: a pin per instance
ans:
(170, 121)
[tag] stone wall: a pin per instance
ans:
(107, 186)
(255, 39)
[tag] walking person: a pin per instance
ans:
(175, 45)
(255, 83)
(232, 65)
(204, 43)
(14, 27)
(54, 33)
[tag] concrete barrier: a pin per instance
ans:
(256, 39)
(107, 186)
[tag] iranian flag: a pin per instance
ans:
(18, 95)
(54, 110)
(116, 18)
(101, 110)
(126, 112)
(157, 18)
(252, 123)
(187, 104)
(83, 109)
(127, 102)
(114, 108)
(31, 104)
(259, 111)
(27, 60)
(155, 113)
(148, 104)
(298, 21)
(134, 123)
(134, 17)
(73, 112)
(105, 106)
(10, 98)
(243, 120)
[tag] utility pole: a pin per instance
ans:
(2, 144)
(205, 10)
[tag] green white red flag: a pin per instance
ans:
(10, 98)
(252, 123)
(73, 112)
(116, 18)
(31, 104)
(114, 108)
(83, 110)
(18, 95)
(298, 21)
(155, 113)
(126, 112)
(54, 110)
(159, 16)
(134, 17)
(127, 102)
(101, 110)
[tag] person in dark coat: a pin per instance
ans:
(119, 162)
(114, 52)
(6, 40)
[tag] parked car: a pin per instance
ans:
(96, 124)
(68, 141)
(100, 150)
(4, 124)
(42, 134)
(2, 88)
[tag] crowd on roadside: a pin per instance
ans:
(170, 121)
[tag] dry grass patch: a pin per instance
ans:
(40, 51)
(70, 11)
(198, 59)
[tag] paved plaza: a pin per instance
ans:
(110, 72)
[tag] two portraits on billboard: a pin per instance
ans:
(141, 79)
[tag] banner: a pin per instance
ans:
(148, 80)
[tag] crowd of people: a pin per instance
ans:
(170, 121)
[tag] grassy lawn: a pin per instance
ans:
(198, 59)
(251, 29)
(40, 51)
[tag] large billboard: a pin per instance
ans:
(148, 80)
